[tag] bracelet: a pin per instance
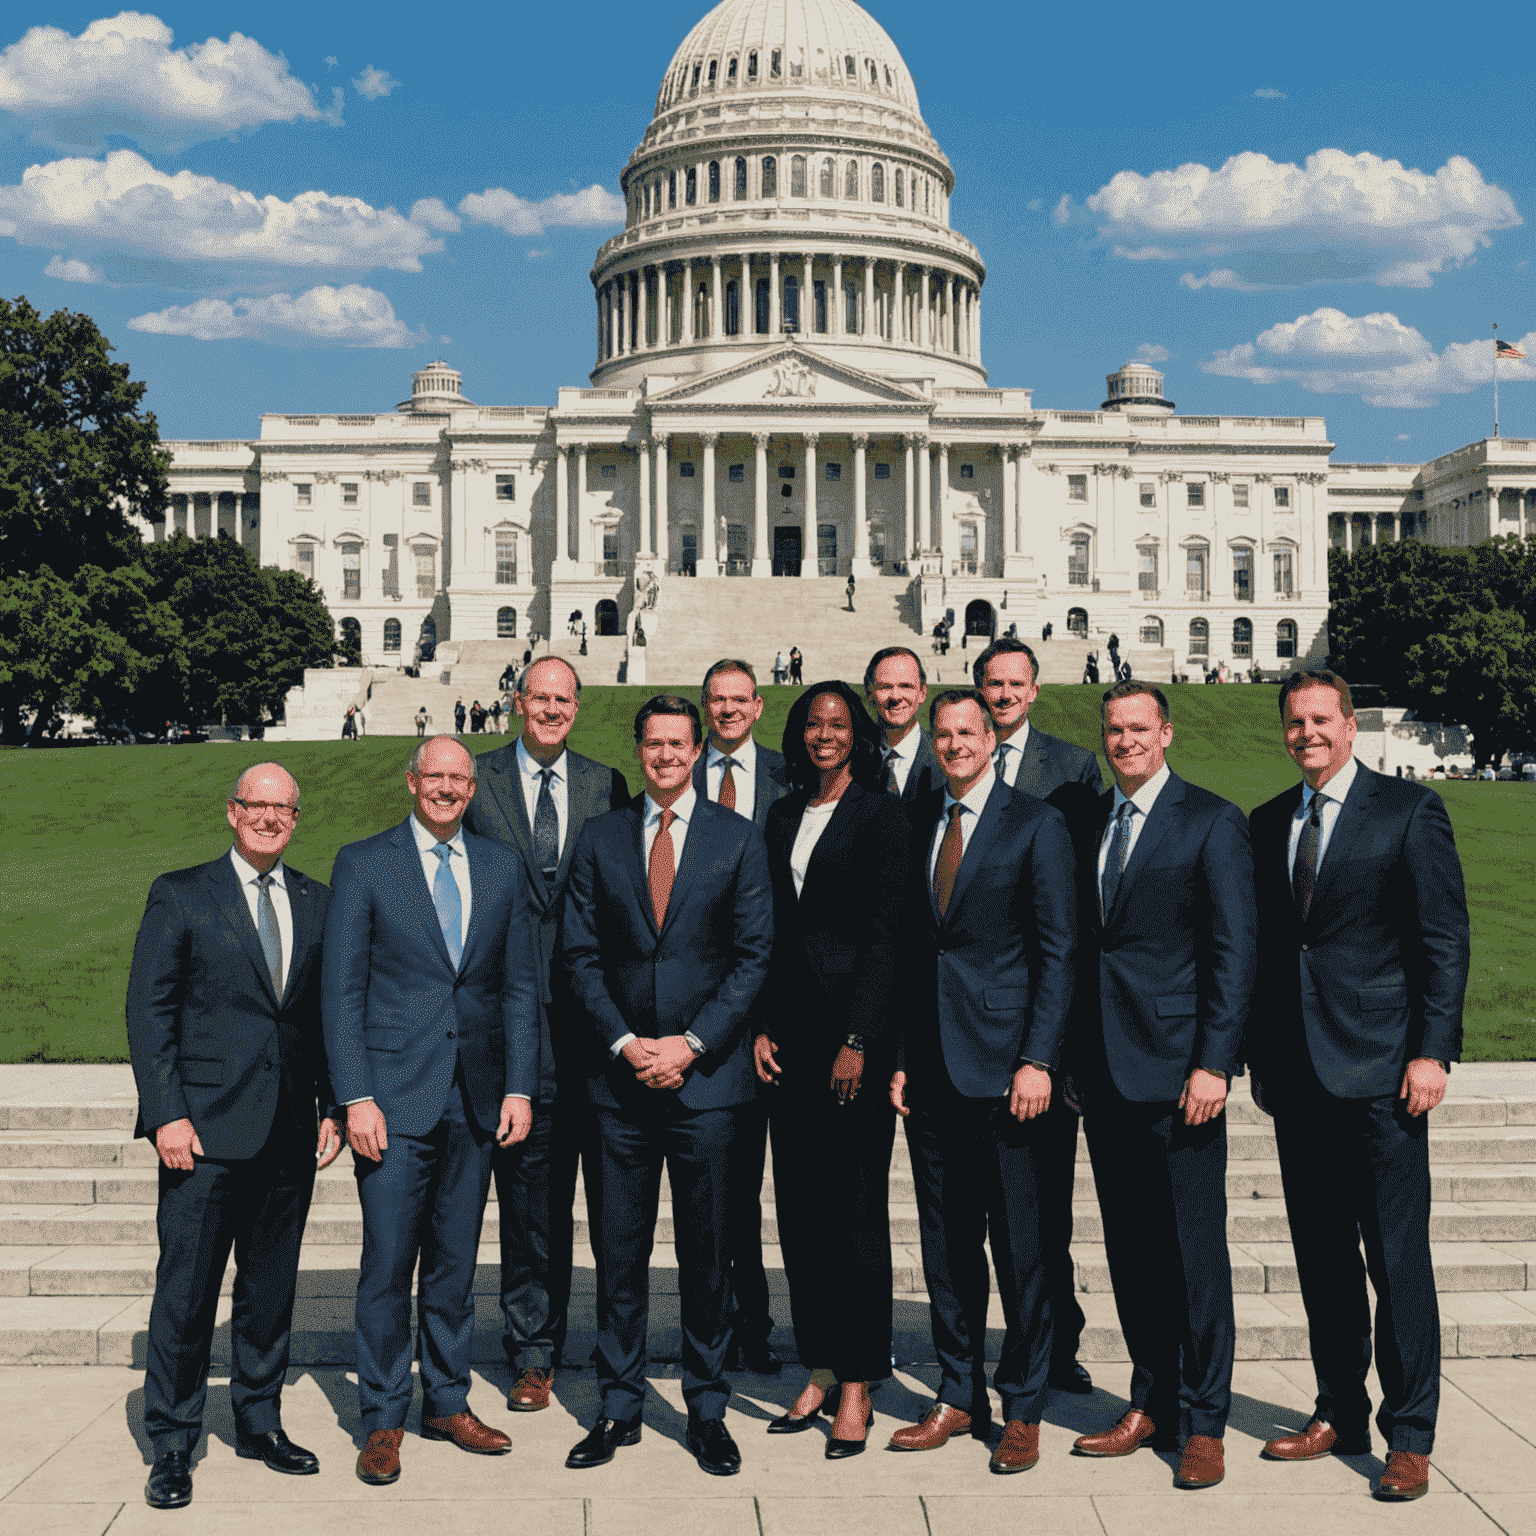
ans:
(855, 1043)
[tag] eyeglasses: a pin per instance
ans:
(453, 780)
(256, 808)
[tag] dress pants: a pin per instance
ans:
(1163, 1195)
(1353, 1170)
(697, 1147)
(1057, 1175)
(831, 1175)
(535, 1192)
(977, 1172)
(426, 1197)
(751, 1320)
(256, 1205)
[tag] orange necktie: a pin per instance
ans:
(728, 784)
(947, 870)
(662, 870)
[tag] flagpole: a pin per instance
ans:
(1495, 380)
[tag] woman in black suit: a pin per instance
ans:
(836, 855)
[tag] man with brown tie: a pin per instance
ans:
(897, 688)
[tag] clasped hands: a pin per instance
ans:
(659, 1063)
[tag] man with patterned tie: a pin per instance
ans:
(664, 941)
(897, 687)
(1363, 972)
(987, 938)
(1170, 931)
(224, 1034)
(430, 995)
(534, 797)
(745, 777)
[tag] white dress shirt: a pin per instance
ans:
(247, 874)
(971, 807)
(744, 773)
(529, 768)
(1013, 753)
(1144, 799)
(458, 867)
(1334, 793)
(906, 755)
(815, 821)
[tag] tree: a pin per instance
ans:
(1480, 671)
(77, 454)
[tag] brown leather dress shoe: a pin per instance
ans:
(1130, 1434)
(379, 1460)
(1019, 1449)
(1317, 1440)
(1406, 1477)
(531, 1390)
(1203, 1464)
(468, 1433)
(932, 1430)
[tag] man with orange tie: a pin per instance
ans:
(665, 939)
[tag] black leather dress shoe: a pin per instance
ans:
(712, 1447)
(605, 1437)
(796, 1424)
(170, 1482)
(279, 1453)
(1069, 1376)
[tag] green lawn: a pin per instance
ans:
(85, 831)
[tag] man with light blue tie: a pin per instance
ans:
(430, 1001)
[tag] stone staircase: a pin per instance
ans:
(77, 1242)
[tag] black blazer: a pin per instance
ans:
(834, 945)
(927, 773)
(205, 1029)
(989, 986)
(1378, 972)
(1047, 763)
(772, 781)
(499, 812)
(701, 972)
(1169, 975)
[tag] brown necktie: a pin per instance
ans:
(662, 870)
(947, 869)
(728, 784)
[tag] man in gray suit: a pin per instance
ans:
(735, 771)
(535, 795)
(1066, 776)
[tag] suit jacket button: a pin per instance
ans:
(267, 1065)
(450, 1034)
(1306, 946)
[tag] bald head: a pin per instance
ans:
(262, 812)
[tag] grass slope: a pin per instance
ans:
(87, 831)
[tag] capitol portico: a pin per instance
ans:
(789, 383)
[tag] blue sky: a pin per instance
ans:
(1315, 209)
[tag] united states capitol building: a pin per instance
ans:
(788, 385)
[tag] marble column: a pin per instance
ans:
(1349, 533)
(924, 319)
(775, 329)
(598, 295)
(646, 547)
(690, 308)
(909, 545)
(620, 316)
(562, 507)
(716, 311)
(943, 533)
(708, 559)
(583, 528)
(860, 565)
(613, 322)
(663, 541)
(643, 310)
(835, 319)
(807, 297)
(1397, 527)
(867, 320)
(924, 470)
(762, 555)
(809, 565)
(898, 306)
(1010, 455)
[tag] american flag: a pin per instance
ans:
(1508, 350)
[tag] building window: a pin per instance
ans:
(695, 81)
(685, 469)
(739, 184)
(1077, 562)
(1239, 493)
(828, 175)
(506, 487)
(797, 176)
(1146, 568)
(770, 176)
(352, 632)
(1194, 572)
(351, 572)
(851, 309)
(506, 558)
(1148, 493)
(608, 471)
(730, 73)
(1152, 631)
(1196, 493)
(304, 560)
(1282, 496)
(752, 66)
(349, 493)
(1242, 638)
(848, 68)
(851, 180)
(762, 306)
(391, 634)
(1077, 487)
(506, 623)
(968, 549)
(1242, 575)
(392, 566)
(714, 181)
(877, 183)
(775, 64)
(714, 65)
(1285, 640)
(421, 493)
(1283, 576)
(786, 471)
(874, 74)
(819, 288)
(304, 494)
(967, 471)
(834, 471)
(736, 474)
(691, 187)
(791, 304)
(1199, 638)
(1077, 622)
(426, 572)
(882, 471)
(899, 189)
(733, 308)
(671, 189)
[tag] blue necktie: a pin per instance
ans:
(271, 937)
(546, 829)
(1114, 864)
(449, 904)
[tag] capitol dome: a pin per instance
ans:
(787, 185)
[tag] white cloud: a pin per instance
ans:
(1062, 211)
(1269, 93)
(1404, 437)
(72, 271)
(123, 201)
(1337, 218)
(1374, 356)
(374, 83)
(1152, 352)
(331, 61)
(1221, 277)
(433, 213)
(121, 75)
(351, 316)
(591, 208)
(1036, 205)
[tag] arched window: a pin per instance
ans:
(671, 189)
(714, 181)
(351, 631)
(730, 73)
(874, 73)
(1077, 621)
(1199, 638)
(428, 638)
(848, 67)
(752, 66)
(1285, 640)
(791, 304)
(713, 66)
(1242, 637)
(646, 206)
(898, 188)
(889, 83)
(391, 634)
(979, 618)
(739, 191)
(696, 76)
(761, 316)
(877, 183)
(828, 175)
(1152, 630)
(797, 176)
(851, 179)
(691, 195)
(770, 176)
(733, 308)
(506, 623)
(607, 617)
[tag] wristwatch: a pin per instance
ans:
(693, 1042)
(855, 1043)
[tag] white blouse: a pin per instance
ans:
(813, 823)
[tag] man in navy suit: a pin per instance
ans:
(987, 939)
(1363, 972)
(430, 995)
(745, 777)
(1171, 933)
(534, 797)
(897, 687)
(665, 939)
(224, 1034)
(1067, 777)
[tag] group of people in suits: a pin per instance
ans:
(957, 929)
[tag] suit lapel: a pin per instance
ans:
(231, 902)
(700, 833)
(1159, 819)
(639, 871)
(581, 787)
(300, 902)
(839, 832)
(479, 894)
(411, 877)
(1034, 764)
(976, 849)
(1353, 815)
(514, 811)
